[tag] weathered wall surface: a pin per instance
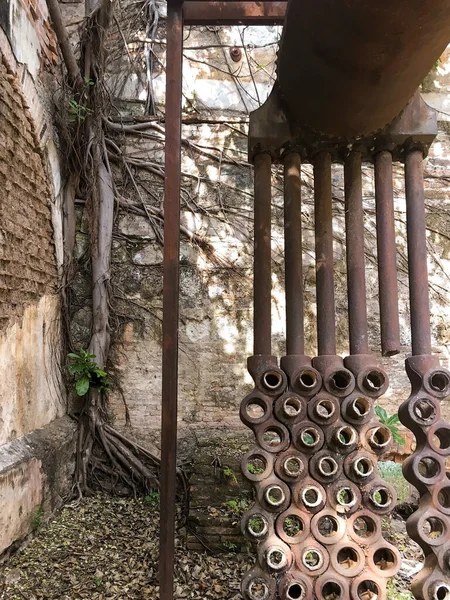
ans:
(216, 249)
(36, 443)
(30, 338)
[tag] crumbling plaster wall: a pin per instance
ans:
(36, 440)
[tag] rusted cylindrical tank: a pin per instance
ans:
(348, 67)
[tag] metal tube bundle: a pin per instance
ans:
(319, 498)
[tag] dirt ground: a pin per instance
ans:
(107, 549)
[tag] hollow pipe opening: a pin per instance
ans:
(274, 495)
(276, 558)
(309, 437)
(345, 436)
(380, 437)
(346, 497)
(295, 591)
(293, 526)
(327, 466)
(312, 559)
(385, 559)
(324, 409)
(340, 381)
(360, 407)
(381, 497)
(272, 380)
(368, 590)
(257, 526)
(311, 496)
(425, 410)
(374, 380)
(292, 407)
(441, 591)
(328, 526)
(258, 590)
(332, 590)
(293, 466)
(439, 381)
(307, 380)
(363, 467)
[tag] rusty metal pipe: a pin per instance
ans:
(348, 67)
(386, 254)
(171, 283)
(293, 254)
(326, 334)
(417, 254)
(356, 274)
(245, 12)
(262, 272)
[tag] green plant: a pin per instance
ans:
(237, 507)
(394, 594)
(231, 505)
(391, 472)
(292, 526)
(230, 546)
(78, 112)
(255, 469)
(230, 475)
(391, 423)
(256, 524)
(153, 498)
(86, 372)
(36, 517)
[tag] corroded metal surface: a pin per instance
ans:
(348, 67)
(429, 526)
(426, 469)
(172, 190)
(317, 517)
(386, 254)
(319, 498)
(245, 12)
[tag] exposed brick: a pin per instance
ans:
(27, 259)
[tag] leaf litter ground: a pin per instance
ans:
(107, 549)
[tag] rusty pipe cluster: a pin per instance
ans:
(319, 497)
(426, 468)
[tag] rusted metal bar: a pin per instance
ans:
(326, 335)
(339, 62)
(356, 274)
(262, 271)
(201, 12)
(417, 254)
(386, 253)
(172, 187)
(293, 254)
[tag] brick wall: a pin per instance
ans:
(27, 258)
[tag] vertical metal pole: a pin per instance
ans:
(293, 254)
(172, 185)
(417, 254)
(326, 327)
(386, 254)
(356, 274)
(262, 272)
